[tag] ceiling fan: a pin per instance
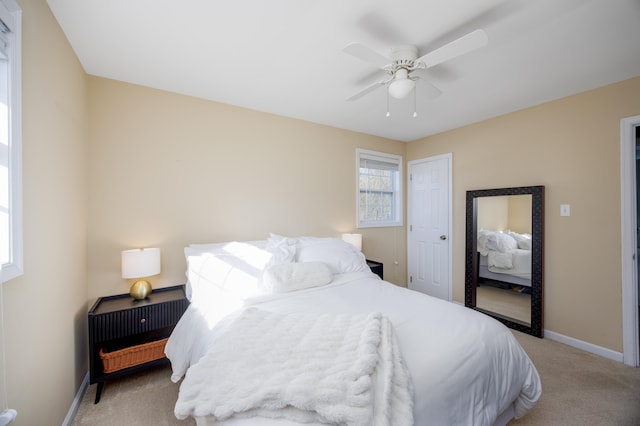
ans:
(403, 67)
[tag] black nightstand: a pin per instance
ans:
(376, 268)
(126, 335)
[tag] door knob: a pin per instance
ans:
(443, 237)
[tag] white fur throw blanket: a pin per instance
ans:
(340, 369)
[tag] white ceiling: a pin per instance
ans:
(285, 56)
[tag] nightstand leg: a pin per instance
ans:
(99, 392)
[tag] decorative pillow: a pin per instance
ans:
(286, 277)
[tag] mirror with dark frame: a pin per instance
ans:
(504, 255)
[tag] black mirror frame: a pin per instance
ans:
(536, 327)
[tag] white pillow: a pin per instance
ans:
(282, 251)
(501, 242)
(341, 256)
(216, 247)
(216, 276)
(232, 268)
(523, 240)
(286, 277)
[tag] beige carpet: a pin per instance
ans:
(578, 389)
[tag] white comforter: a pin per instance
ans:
(466, 368)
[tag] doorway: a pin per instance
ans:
(429, 234)
(629, 236)
(637, 163)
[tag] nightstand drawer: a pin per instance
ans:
(118, 324)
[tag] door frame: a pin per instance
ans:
(410, 164)
(630, 332)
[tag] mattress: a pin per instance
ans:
(521, 261)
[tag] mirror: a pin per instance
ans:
(504, 255)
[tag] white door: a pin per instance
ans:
(429, 229)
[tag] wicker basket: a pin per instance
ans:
(134, 355)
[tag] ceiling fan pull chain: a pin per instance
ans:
(388, 113)
(415, 103)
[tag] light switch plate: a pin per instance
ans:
(565, 210)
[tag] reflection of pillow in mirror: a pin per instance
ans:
(524, 244)
(501, 242)
(523, 240)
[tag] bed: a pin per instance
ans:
(289, 331)
(505, 257)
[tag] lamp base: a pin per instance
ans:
(140, 290)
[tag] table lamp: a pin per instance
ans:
(353, 239)
(140, 263)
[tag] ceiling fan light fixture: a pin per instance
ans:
(401, 85)
(399, 89)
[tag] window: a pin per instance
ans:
(379, 189)
(10, 142)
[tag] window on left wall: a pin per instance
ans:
(10, 141)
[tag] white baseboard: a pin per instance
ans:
(579, 344)
(585, 346)
(76, 401)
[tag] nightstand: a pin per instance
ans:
(376, 268)
(127, 335)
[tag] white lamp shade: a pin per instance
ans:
(399, 89)
(353, 239)
(402, 85)
(139, 263)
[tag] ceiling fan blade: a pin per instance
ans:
(366, 54)
(465, 44)
(367, 90)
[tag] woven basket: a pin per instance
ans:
(134, 355)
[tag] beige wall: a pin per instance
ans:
(45, 309)
(509, 212)
(167, 170)
(162, 169)
(572, 147)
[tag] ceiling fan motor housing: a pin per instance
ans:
(404, 53)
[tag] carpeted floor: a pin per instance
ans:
(578, 389)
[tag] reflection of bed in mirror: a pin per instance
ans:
(505, 257)
(504, 240)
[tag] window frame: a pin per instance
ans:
(397, 191)
(11, 15)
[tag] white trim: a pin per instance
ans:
(630, 332)
(15, 267)
(76, 401)
(384, 157)
(449, 157)
(578, 344)
(585, 346)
